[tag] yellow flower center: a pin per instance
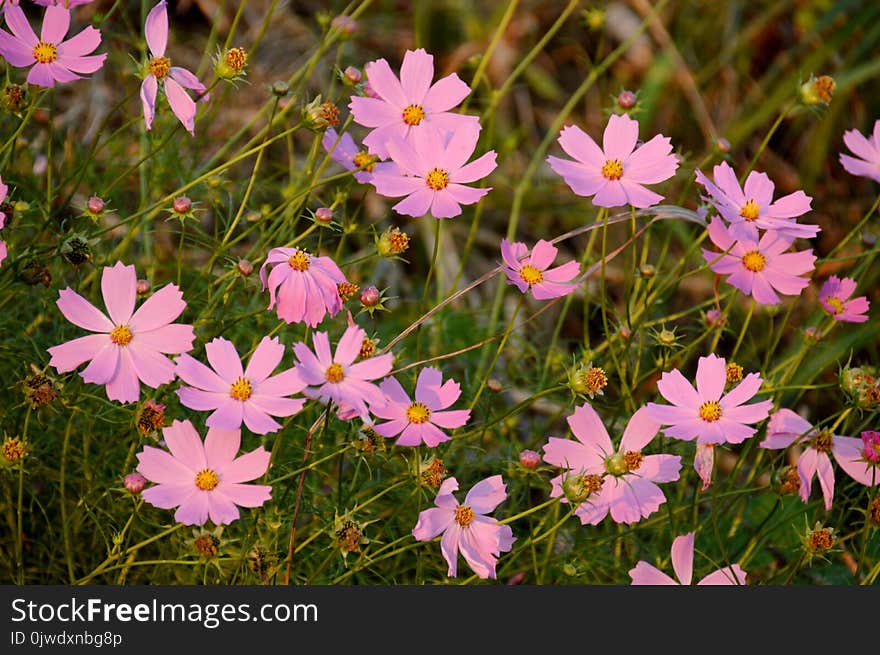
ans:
(334, 373)
(836, 303)
(413, 114)
(159, 67)
(45, 53)
(364, 160)
(299, 261)
(437, 179)
(236, 58)
(418, 413)
(734, 373)
(754, 261)
(749, 211)
(612, 169)
(206, 479)
(464, 515)
(595, 379)
(632, 460)
(710, 411)
(368, 348)
(823, 441)
(241, 389)
(121, 335)
(531, 275)
(14, 450)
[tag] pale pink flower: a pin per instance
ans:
(835, 299)
(527, 270)
(344, 151)
(432, 173)
(867, 151)
(130, 346)
(752, 206)
(403, 108)
(174, 79)
(420, 420)
(252, 395)
(619, 481)
(336, 377)
(3, 191)
(466, 528)
(760, 269)
(203, 480)
(306, 285)
(704, 463)
(683, 565)
(51, 57)
(60, 3)
(615, 173)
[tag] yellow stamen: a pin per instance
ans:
(531, 275)
(159, 67)
(836, 303)
(750, 211)
(710, 411)
(206, 479)
(241, 389)
(612, 169)
(121, 335)
(437, 179)
(754, 261)
(413, 114)
(334, 373)
(464, 515)
(632, 459)
(45, 53)
(418, 413)
(364, 160)
(299, 261)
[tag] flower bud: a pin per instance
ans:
(95, 207)
(232, 64)
(280, 89)
(143, 287)
(352, 75)
(871, 449)
(181, 205)
(14, 99)
(245, 267)
(392, 242)
(13, 450)
(722, 144)
(345, 24)
(817, 90)
(319, 115)
(529, 459)
(626, 99)
(577, 488)
(587, 380)
(134, 483)
(666, 337)
(324, 215)
(370, 297)
(714, 318)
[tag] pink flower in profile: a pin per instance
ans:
(835, 299)
(237, 394)
(532, 270)
(51, 57)
(130, 346)
(683, 565)
(432, 173)
(60, 3)
(760, 269)
(403, 108)
(615, 173)
(3, 190)
(867, 151)
(751, 207)
(420, 420)
(343, 151)
(306, 285)
(466, 528)
(336, 377)
(619, 481)
(203, 480)
(174, 79)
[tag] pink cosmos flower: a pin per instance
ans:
(203, 480)
(306, 285)
(129, 346)
(871, 450)
(343, 151)
(834, 297)
(615, 173)
(619, 481)
(420, 420)
(760, 269)
(466, 528)
(60, 3)
(532, 270)
(237, 395)
(337, 377)
(683, 565)
(51, 57)
(3, 190)
(432, 173)
(704, 463)
(752, 207)
(867, 151)
(174, 79)
(403, 108)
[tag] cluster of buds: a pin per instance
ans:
(392, 243)
(587, 380)
(861, 385)
(817, 90)
(13, 450)
(230, 65)
(39, 388)
(348, 534)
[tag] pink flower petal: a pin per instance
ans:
(248, 467)
(445, 94)
(257, 420)
(228, 415)
(646, 574)
(21, 28)
(201, 400)
(125, 385)
(432, 522)
(385, 83)
(640, 430)
(104, 366)
(416, 74)
(586, 425)
(153, 368)
(167, 496)
(119, 288)
(185, 444)
(223, 357)
(159, 309)
(683, 557)
(619, 139)
(81, 312)
(149, 87)
(68, 356)
(580, 146)
(181, 104)
(221, 447)
(193, 372)
(486, 495)
(247, 495)
(156, 29)
(264, 359)
(711, 377)
(157, 465)
(83, 43)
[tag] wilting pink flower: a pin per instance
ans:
(52, 58)
(760, 269)
(752, 206)
(420, 420)
(237, 394)
(345, 153)
(466, 528)
(615, 174)
(337, 377)
(432, 173)
(704, 463)
(683, 565)
(203, 480)
(306, 285)
(130, 345)
(3, 190)
(619, 481)
(532, 270)
(834, 297)
(174, 79)
(867, 151)
(403, 108)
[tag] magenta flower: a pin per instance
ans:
(51, 57)
(615, 174)
(343, 151)
(174, 79)
(532, 270)
(420, 420)
(432, 173)
(752, 206)
(130, 345)
(337, 377)
(403, 108)
(834, 297)
(60, 3)
(683, 565)
(867, 151)
(466, 528)
(621, 482)
(3, 190)
(306, 285)
(237, 395)
(760, 269)
(203, 480)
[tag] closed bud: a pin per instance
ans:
(95, 207)
(143, 287)
(626, 100)
(181, 205)
(134, 483)
(351, 75)
(280, 89)
(370, 297)
(324, 215)
(345, 24)
(529, 459)
(245, 267)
